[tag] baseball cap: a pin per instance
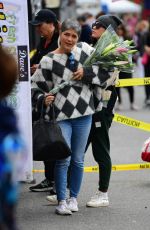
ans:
(106, 20)
(43, 15)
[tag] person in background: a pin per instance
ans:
(101, 122)
(68, 9)
(122, 33)
(130, 21)
(86, 30)
(73, 105)
(11, 145)
(140, 30)
(139, 39)
(47, 26)
(90, 18)
(147, 66)
(101, 13)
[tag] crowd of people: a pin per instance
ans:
(72, 38)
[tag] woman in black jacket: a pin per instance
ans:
(101, 122)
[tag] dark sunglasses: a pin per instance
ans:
(97, 25)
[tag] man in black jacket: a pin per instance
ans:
(47, 27)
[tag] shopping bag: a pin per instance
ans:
(145, 59)
(145, 155)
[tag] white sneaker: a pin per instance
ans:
(99, 200)
(72, 204)
(134, 107)
(62, 208)
(52, 199)
(119, 107)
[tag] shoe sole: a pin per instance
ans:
(40, 190)
(63, 214)
(74, 210)
(98, 205)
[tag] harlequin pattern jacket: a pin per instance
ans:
(76, 99)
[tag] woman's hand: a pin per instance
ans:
(49, 99)
(78, 75)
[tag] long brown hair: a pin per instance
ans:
(8, 72)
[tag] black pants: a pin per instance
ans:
(130, 89)
(147, 87)
(99, 138)
(49, 170)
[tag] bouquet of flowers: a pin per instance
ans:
(111, 52)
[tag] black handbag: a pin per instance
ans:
(48, 141)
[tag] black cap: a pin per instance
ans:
(44, 15)
(106, 20)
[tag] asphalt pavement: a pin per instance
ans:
(129, 191)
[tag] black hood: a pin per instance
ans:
(107, 20)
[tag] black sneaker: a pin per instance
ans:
(44, 186)
(52, 192)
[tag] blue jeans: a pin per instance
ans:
(75, 132)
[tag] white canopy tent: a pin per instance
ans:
(88, 6)
(121, 6)
(117, 6)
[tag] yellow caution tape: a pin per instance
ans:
(38, 170)
(133, 82)
(124, 167)
(132, 122)
(32, 52)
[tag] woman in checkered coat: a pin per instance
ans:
(73, 104)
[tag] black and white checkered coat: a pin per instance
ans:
(74, 100)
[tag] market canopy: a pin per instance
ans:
(120, 6)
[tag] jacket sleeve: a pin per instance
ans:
(40, 83)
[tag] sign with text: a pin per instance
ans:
(23, 63)
(14, 35)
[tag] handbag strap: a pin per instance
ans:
(42, 110)
(52, 113)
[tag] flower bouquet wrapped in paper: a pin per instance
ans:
(111, 52)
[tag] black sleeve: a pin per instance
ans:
(37, 101)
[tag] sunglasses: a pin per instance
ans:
(97, 25)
